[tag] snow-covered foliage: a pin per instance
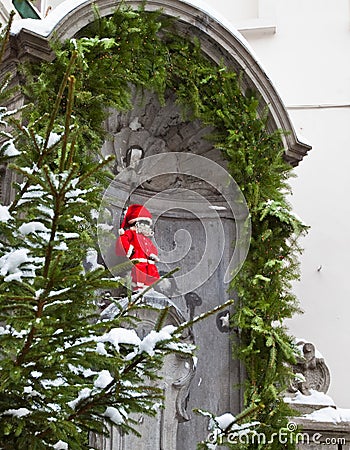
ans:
(226, 430)
(64, 372)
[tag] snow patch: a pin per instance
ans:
(103, 380)
(101, 349)
(118, 336)
(36, 374)
(10, 149)
(150, 341)
(94, 214)
(9, 330)
(32, 227)
(49, 212)
(69, 235)
(59, 292)
(316, 398)
(5, 215)
(53, 383)
(114, 415)
(54, 138)
(10, 262)
(77, 193)
(224, 421)
(60, 445)
(329, 414)
(61, 246)
(78, 219)
(20, 412)
(84, 393)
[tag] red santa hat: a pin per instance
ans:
(133, 214)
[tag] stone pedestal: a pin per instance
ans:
(158, 432)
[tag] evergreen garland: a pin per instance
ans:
(135, 48)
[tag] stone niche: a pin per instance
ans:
(191, 235)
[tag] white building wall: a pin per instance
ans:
(5, 8)
(307, 59)
(304, 46)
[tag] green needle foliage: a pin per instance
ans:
(64, 372)
(139, 49)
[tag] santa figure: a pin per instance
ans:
(135, 243)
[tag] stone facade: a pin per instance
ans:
(161, 129)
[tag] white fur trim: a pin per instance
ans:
(154, 257)
(140, 218)
(130, 250)
(121, 231)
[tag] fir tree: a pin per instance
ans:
(63, 372)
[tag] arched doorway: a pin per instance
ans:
(182, 180)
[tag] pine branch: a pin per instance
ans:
(28, 342)
(99, 166)
(203, 316)
(44, 151)
(6, 37)
(59, 97)
(70, 102)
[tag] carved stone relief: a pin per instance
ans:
(154, 128)
(314, 371)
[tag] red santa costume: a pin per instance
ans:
(134, 242)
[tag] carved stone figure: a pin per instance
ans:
(313, 370)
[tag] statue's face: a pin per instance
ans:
(144, 227)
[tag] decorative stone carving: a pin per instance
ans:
(155, 128)
(307, 392)
(220, 42)
(314, 371)
(322, 424)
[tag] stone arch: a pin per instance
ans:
(219, 41)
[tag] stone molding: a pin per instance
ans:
(220, 41)
(317, 435)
